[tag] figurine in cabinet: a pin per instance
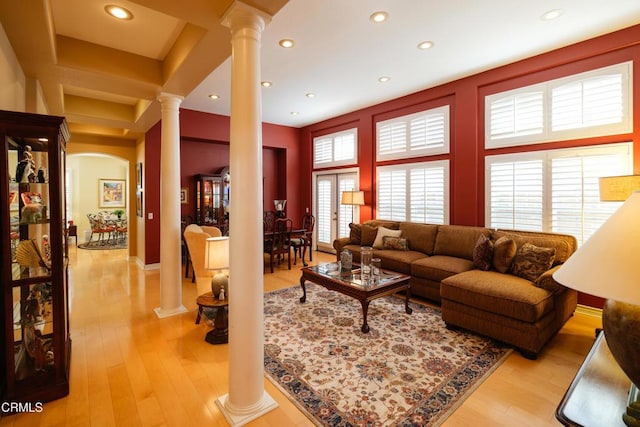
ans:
(26, 169)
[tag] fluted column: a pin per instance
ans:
(247, 398)
(170, 267)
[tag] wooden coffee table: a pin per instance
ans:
(350, 284)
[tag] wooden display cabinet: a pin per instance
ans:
(212, 198)
(35, 334)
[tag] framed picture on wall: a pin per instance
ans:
(184, 195)
(139, 203)
(139, 176)
(112, 193)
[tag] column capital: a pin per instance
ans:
(240, 15)
(170, 100)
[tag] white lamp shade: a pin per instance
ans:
(608, 264)
(353, 198)
(216, 253)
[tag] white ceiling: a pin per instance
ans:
(105, 75)
(339, 53)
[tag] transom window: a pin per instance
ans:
(584, 105)
(419, 134)
(336, 149)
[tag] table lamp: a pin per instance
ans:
(607, 265)
(216, 257)
(352, 198)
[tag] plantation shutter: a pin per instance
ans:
(515, 115)
(516, 194)
(324, 211)
(589, 102)
(427, 195)
(419, 134)
(427, 131)
(576, 205)
(323, 151)
(346, 211)
(344, 147)
(392, 138)
(336, 149)
(554, 190)
(392, 194)
(594, 103)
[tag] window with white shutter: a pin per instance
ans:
(553, 190)
(417, 192)
(584, 105)
(336, 149)
(419, 134)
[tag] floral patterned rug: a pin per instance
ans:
(409, 370)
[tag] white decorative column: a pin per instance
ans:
(170, 267)
(247, 398)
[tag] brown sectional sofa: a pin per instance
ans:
(523, 312)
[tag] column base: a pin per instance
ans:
(162, 313)
(237, 418)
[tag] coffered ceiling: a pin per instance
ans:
(104, 75)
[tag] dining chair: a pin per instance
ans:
(268, 219)
(278, 243)
(99, 228)
(304, 241)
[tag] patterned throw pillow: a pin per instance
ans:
(395, 243)
(531, 261)
(483, 253)
(504, 250)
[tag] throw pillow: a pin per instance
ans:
(368, 234)
(531, 261)
(395, 243)
(483, 253)
(355, 235)
(504, 250)
(382, 232)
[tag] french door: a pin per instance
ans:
(333, 218)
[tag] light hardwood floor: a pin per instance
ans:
(129, 368)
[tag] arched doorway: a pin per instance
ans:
(87, 175)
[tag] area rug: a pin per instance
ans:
(409, 370)
(102, 245)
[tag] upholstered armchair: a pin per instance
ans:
(196, 238)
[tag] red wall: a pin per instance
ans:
(204, 148)
(466, 100)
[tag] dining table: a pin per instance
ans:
(295, 234)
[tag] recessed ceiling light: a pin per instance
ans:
(286, 43)
(310, 95)
(118, 12)
(379, 16)
(425, 44)
(552, 14)
(266, 83)
(384, 79)
(214, 96)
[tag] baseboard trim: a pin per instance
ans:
(589, 311)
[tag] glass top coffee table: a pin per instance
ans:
(350, 283)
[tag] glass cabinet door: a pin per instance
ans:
(34, 275)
